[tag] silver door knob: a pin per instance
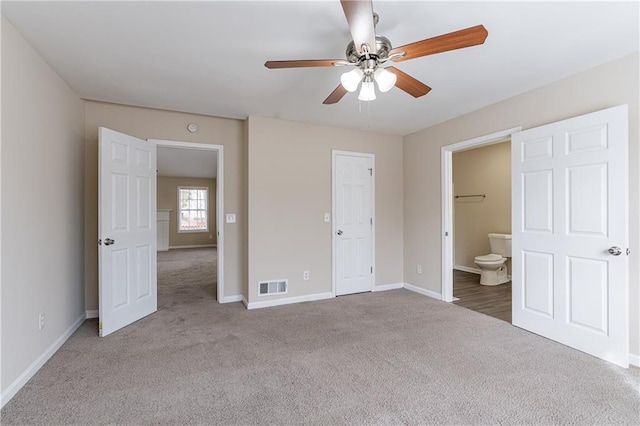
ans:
(616, 251)
(339, 232)
(108, 241)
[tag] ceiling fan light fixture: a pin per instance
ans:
(350, 80)
(367, 91)
(385, 79)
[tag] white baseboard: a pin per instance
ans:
(467, 269)
(287, 300)
(634, 360)
(29, 372)
(385, 287)
(92, 314)
(231, 299)
(194, 246)
(423, 291)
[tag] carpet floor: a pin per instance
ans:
(391, 357)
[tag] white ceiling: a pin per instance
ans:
(207, 57)
(191, 163)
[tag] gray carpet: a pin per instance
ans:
(393, 357)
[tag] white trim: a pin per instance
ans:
(447, 200)
(193, 246)
(94, 313)
(335, 152)
(231, 299)
(634, 360)
(219, 199)
(385, 287)
(288, 300)
(467, 269)
(30, 371)
(423, 291)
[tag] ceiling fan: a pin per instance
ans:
(368, 51)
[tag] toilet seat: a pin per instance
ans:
(489, 258)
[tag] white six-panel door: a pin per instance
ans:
(353, 222)
(127, 230)
(569, 184)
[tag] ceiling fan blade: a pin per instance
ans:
(336, 95)
(359, 14)
(409, 84)
(304, 63)
(468, 37)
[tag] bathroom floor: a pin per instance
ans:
(494, 301)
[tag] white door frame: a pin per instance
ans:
(334, 153)
(447, 200)
(219, 201)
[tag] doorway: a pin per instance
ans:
(481, 213)
(448, 201)
(190, 201)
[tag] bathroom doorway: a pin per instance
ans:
(482, 209)
(479, 201)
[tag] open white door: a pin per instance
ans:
(127, 229)
(570, 233)
(353, 222)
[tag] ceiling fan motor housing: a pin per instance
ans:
(383, 47)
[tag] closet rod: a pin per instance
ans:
(475, 195)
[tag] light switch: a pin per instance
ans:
(231, 218)
(327, 217)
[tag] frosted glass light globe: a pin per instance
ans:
(367, 91)
(350, 80)
(385, 79)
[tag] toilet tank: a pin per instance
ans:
(500, 244)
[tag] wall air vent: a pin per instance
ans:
(266, 288)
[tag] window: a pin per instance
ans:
(193, 209)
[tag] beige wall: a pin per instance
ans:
(289, 166)
(485, 170)
(168, 199)
(148, 123)
(602, 87)
(42, 209)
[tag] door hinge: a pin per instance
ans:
(99, 242)
(370, 172)
(371, 221)
(99, 326)
(372, 269)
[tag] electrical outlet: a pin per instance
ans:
(305, 275)
(419, 269)
(40, 321)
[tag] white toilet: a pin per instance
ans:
(494, 270)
